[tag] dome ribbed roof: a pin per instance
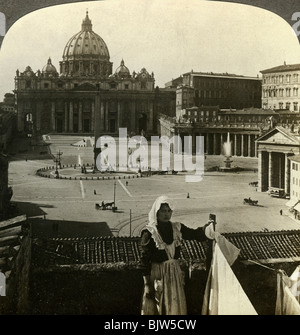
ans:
(122, 71)
(86, 43)
(49, 68)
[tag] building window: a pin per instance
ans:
(288, 78)
(28, 83)
(46, 85)
(295, 91)
(287, 105)
(143, 85)
(126, 86)
(295, 106)
(280, 79)
(296, 78)
(288, 92)
(113, 85)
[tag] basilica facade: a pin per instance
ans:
(86, 96)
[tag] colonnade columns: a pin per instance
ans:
(287, 164)
(71, 117)
(270, 170)
(207, 143)
(53, 116)
(214, 144)
(234, 153)
(242, 145)
(80, 117)
(249, 145)
(66, 116)
(221, 143)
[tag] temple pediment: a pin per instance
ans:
(280, 135)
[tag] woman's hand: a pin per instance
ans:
(148, 290)
(210, 230)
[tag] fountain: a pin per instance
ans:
(227, 154)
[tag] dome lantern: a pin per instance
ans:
(86, 23)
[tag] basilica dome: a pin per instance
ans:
(49, 69)
(86, 53)
(122, 71)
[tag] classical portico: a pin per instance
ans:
(274, 149)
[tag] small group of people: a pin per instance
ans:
(160, 243)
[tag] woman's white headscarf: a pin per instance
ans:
(152, 216)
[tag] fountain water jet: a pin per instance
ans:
(227, 154)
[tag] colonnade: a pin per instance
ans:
(240, 144)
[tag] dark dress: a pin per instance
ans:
(160, 251)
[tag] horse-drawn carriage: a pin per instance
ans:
(250, 202)
(104, 206)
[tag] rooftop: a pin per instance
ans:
(282, 68)
(266, 247)
(221, 75)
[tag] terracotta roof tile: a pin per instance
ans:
(98, 250)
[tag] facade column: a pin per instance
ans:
(132, 116)
(71, 117)
(97, 126)
(93, 117)
(53, 116)
(150, 124)
(270, 170)
(66, 116)
(38, 115)
(260, 172)
(287, 172)
(249, 145)
(80, 117)
(242, 145)
(119, 115)
(255, 147)
(106, 116)
(102, 107)
(20, 107)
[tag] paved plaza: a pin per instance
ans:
(74, 200)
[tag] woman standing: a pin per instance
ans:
(160, 249)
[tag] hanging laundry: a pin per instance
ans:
(224, 294)
(229, 250)
(288, 290)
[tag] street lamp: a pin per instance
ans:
(56, 170)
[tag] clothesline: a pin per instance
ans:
(267, 267)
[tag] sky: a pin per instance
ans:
(167, 37)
